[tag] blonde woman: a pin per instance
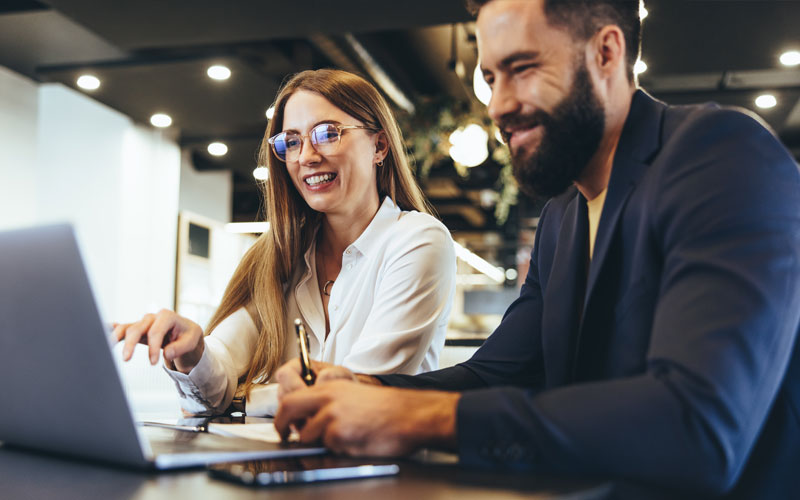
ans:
(351, 250)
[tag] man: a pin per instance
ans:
(654, 336)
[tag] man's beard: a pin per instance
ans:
(571, 136)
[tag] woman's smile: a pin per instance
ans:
(319, 181)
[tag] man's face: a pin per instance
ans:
(543, 99)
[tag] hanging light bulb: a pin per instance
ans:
(482, 90)
(469, 145)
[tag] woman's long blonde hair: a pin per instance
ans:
(258, 283)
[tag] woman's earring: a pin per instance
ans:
(379, 163)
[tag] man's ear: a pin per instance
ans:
(608, 51)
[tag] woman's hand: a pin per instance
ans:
(181, 338)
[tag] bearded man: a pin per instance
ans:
(654, 338)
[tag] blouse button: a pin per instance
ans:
(349, 266)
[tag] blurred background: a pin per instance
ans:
(140, 121)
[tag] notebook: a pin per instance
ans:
(60, 387)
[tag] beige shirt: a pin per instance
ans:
(595, 207)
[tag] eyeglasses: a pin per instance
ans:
(325, 139)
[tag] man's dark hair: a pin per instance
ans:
(584, 17)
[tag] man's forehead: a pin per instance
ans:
(500, 15)
(507, 26)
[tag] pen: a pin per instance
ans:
(176, 427)
(305, 360)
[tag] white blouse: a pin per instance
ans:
(388, 313)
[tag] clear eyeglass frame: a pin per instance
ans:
(321, 140)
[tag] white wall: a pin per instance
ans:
(117, 183)
(206, 193)
(66, 157)
(19, 100)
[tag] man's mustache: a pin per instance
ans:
(511, 122)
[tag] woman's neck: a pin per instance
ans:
(340, 231)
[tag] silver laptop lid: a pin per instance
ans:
(60, 388)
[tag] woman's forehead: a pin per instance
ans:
(304, 109)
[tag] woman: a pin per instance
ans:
(351, 250)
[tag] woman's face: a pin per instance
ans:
(342, 182)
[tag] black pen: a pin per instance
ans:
(305, 359)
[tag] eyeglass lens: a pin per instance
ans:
(324, 138)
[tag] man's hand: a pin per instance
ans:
(288, 376)
(360, 419)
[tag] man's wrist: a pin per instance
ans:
(444, 421)
(434, 421)
(368, 379)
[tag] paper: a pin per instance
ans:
(261, 431)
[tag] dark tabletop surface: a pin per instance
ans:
(30, 475)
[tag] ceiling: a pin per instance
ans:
(152, 56)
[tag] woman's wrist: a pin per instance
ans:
(188, 361)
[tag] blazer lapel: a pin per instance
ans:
(564, 293)
(618, 193)
(639, 141)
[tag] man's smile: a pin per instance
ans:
(519, 136)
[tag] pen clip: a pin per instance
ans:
(306, 372)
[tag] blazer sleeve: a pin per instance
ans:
(728, 223)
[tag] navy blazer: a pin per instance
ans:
(671, 357)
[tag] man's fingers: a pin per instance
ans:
(290, 385)
(296, 407)
(135, 332)
(288, 378)
(286, 369)
(315, 426)
(336, 438)
(317, 366)
(334, 372)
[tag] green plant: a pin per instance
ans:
(427, 134)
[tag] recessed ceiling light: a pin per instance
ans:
(270, 112)
(790, 58)
(219, 72)
(261, 173)
(88, 82)
(766, 101)
(161, 120)
(217, 149)
(640, 67)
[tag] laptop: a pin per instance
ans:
(60, 388)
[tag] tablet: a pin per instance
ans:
(299, 471)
